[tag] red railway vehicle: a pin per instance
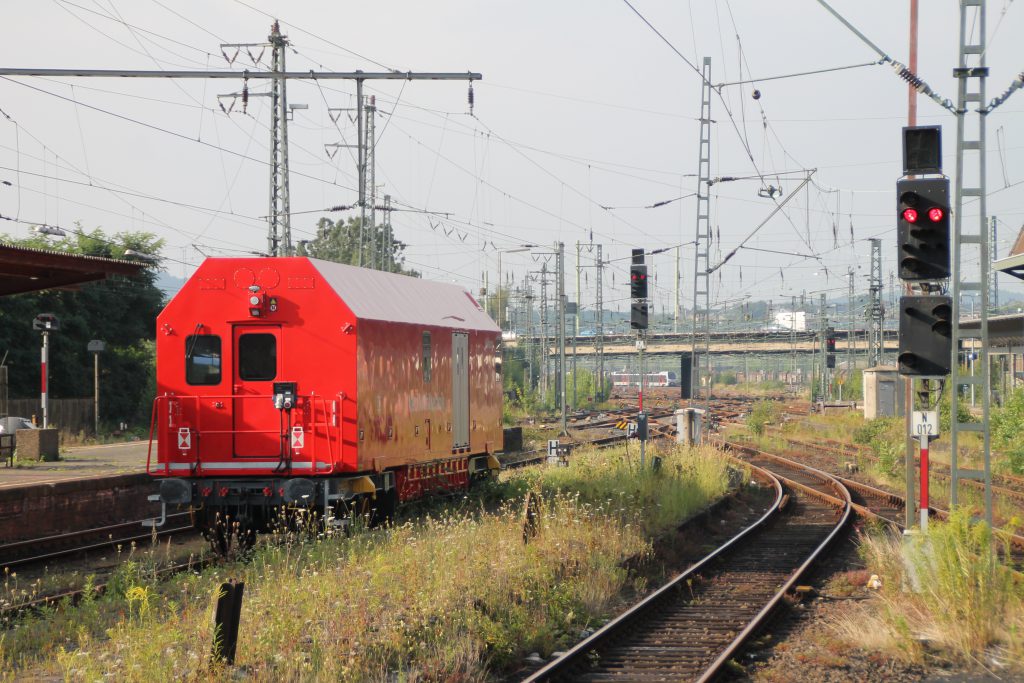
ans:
(294, 382)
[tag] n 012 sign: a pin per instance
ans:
(924, 423)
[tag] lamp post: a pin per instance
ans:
(96, 347)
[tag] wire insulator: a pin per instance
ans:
(245, 97)
(469, 97)
(910, 77)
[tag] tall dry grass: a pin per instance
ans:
(951, 591)
(453, 596)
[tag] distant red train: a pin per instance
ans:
(293, 382)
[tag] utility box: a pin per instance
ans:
(38, 444)
(688, 426)
(882, 395)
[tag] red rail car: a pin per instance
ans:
(285, 382)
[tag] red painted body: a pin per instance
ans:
(352, 341)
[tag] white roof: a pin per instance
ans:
(376, 295)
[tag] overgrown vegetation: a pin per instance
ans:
(454, 596)
(763, 413)
(1007, 424)
(948, 590)
(885, 438)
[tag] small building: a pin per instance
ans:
(882, 395)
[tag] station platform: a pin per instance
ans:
(89, 487)
(80, 462)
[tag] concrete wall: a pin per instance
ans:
(37, 510)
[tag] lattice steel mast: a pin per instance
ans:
(876, 311)
(701, 262)
(971, 73)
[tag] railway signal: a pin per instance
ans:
(638, 315)
(926, 342)
(638, 322)
(638, 281)
(923, 228)
(830, 348)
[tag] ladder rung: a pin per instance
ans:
(972, 97)
(972, 286)
(968, 379)
(970, 474)
(972, 49)
(970, 427)
(970, 239)
(972, 144)
(971, 191)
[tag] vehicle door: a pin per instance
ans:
(257, 363)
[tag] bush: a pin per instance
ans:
(1006, 425)
(763, 412)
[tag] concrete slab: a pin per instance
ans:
(80, 462)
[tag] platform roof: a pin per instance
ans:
(23, 269)
(1003, 330)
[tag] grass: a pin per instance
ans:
(453, 596)
(947, 593)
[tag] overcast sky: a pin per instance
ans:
(582, 107)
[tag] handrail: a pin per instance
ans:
(193, 420)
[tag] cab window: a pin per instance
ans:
(257, 357)
(202, 359)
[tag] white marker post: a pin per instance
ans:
(924, 425)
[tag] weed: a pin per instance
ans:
(762, 413)
(949, 588)
(453, 595)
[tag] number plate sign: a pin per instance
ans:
(924, 423)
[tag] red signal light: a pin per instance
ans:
(935, 214)
(910, 215)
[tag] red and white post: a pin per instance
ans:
(45, 372)
(924, 482)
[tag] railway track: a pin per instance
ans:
(871, 501)
(11, 613)
(691, 627)
(63, 545)
(1006, 485)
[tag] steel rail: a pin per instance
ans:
(572, 657)
(1014, 539)
(766, 611)
(6, 560)
(12, 612)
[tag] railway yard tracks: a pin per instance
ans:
(57, 546)
(691, 627)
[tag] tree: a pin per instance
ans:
(120, 311)
(339, 242)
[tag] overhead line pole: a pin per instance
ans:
(279, 238)
(701, 261)
(972, 75)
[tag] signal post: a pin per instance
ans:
(638, 322)
(926, 312)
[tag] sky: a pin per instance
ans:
(584, 117)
